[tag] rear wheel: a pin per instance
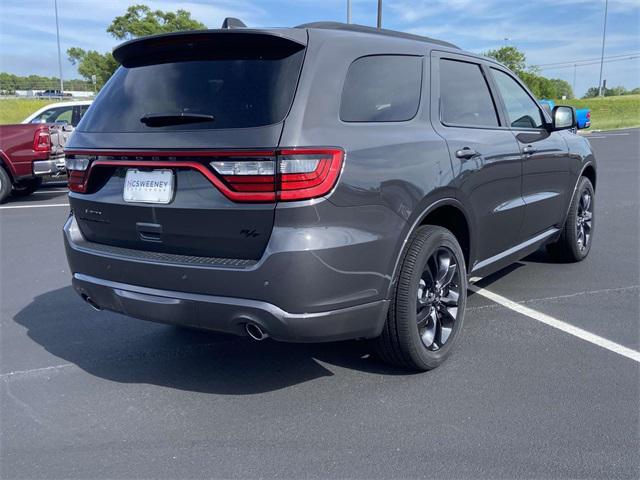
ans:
(426, 312)
(5, 184)
(575, 240)
(26, 187)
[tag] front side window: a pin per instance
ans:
(382, 88)
(521, 109)
(465, 98)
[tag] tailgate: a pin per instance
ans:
(178, 103)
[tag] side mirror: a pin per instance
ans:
(564, 118)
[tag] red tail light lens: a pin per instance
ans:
(42, 141)
(307, 173)
(77, 172)
(301, 174)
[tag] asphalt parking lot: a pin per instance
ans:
(88, 394)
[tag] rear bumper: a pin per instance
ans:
(54, 166)
(292, 298)
(230, 315)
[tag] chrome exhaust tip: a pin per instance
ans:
(255, 331)
(91, 303)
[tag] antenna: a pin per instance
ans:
(231, 22)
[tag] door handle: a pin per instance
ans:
(529, 150)
(467, 153)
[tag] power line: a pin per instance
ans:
(596, 62)
(573, 62)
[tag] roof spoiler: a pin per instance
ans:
(232, 22)
(225, 43)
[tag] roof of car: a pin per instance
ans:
(355, 28)
(137, 46)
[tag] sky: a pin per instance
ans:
(548, 31)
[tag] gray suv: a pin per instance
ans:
(318, 183)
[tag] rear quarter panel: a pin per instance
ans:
(393, 171)
(16, 145)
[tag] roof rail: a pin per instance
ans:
(352, 27)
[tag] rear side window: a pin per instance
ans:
(521, 109)
(382, 88)
(237, 92)
(52, 115)
(465, 98)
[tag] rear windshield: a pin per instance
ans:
(237, 93)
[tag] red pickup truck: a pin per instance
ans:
(27, 153)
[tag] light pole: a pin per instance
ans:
(604, 36)
(55, 4)
(348, 11)
(379, 13)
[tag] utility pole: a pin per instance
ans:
(348, 11)
(604, 36)
(379, 13)
(55, 4)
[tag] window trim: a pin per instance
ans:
(373, 122)
(545, 118)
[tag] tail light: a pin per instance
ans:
(42, 140)
(77, 172)
(588, 115)
(283, 175)
(295, 174)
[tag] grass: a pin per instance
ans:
(14, 110)
(608, 113)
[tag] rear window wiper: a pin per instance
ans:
(178, 118)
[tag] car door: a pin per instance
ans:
(545, 156)
(484, 153)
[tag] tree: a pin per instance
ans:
(615, 91)
(609, 92)
(90, 63)
(562, 88)
(540, 86)
(138, 21)
(592, 92)
(510, 57)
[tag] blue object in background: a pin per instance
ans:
(583, 115)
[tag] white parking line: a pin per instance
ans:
(606, 135)
(9, 207)
(559, 324)
(21, 373)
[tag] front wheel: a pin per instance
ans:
(575, 240)
(426, 311)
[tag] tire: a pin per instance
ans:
(405, 339)
(5, 184)
(576, 238)
(26, 187)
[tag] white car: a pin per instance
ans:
(68, 113)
